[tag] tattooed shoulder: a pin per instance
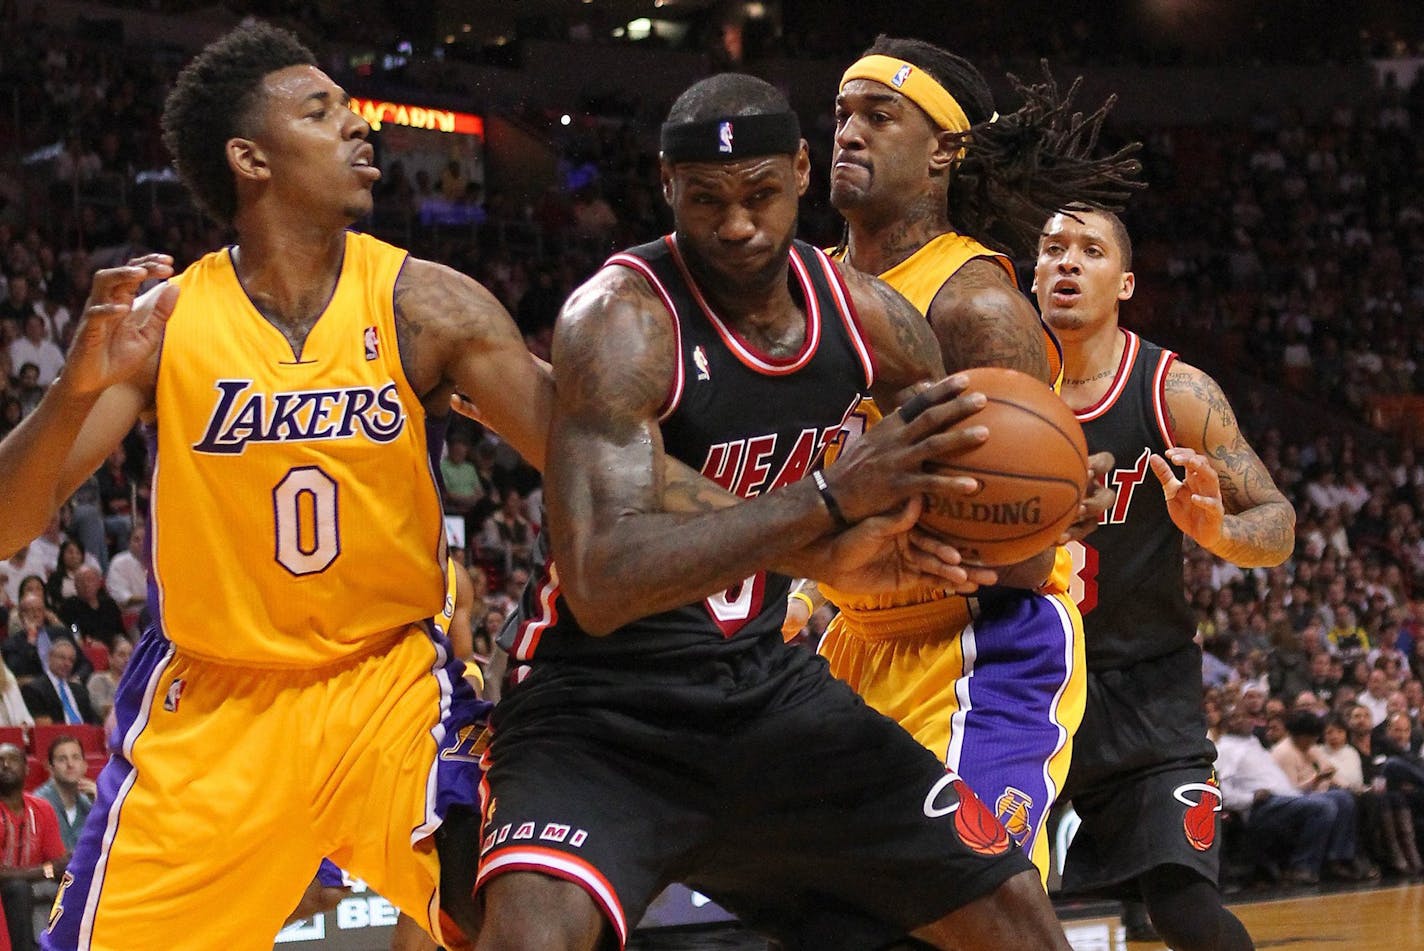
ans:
(982, 319)
(436, 310)
(614, 345)
(1196, 407)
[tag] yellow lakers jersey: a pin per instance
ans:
(919, 278)
(295, 515)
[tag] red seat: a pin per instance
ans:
(36, 772)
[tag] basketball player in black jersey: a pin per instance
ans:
(657, 729)
(1142, 778)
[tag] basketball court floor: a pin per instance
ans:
(1381, 918)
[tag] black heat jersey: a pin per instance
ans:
(747, 421)
(1130, 568)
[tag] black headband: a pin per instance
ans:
(732, 138)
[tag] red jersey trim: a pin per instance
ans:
(850, 317)
(678, 377)
(526, 642)
(562, 865)
(1119, 383)
(1159, 398)
(743, 351)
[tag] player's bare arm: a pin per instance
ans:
(107, 382)
(906, 353)
(981, 319)
(453, 335)
(1226, 500)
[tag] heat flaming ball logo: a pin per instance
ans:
(1199, 821)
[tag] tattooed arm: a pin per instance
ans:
(454, 335)
(982, 320)
(1227, 501)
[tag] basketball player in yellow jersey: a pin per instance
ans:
(993, 684)
(293, 700)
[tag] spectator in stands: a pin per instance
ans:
(127, 580)
(27, 387)
(1336, 754)
(1376, 695)
(34, 584)
(72, 557)
(116, 498)
(1380, 829)
(36, 347)
(463, 490)
(1287, 664)
(1319, 828)
(59, 696)
(26, 650)
(1346, 637)
(69, 789)
(103, 684)
(92, 613)
(14, 571)
(13, 711)
(45, 548)
(508, 535)
(17, 307)
(11, 412)
(32, 854)
(1304, 760)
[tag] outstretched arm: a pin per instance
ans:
(454, 334)
(1227, 501)
(107, 381)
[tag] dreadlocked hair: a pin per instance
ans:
(1018, 169)
(212, 101)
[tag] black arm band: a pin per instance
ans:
(731, 138)
(832, 505)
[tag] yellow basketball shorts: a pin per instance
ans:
(228, 785)
(994, 686)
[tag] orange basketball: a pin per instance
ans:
(1033, 469)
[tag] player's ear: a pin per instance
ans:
(246, 159)
(803, 168)
(1129, 284)
(665, 174)
(948, 147)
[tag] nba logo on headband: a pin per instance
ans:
(901, 74)
(724, 138)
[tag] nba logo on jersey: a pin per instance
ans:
(724, 138)
(699, 360)
(173, 696)
(901, 74)
(373, 343)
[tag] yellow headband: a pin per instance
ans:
(915, 85)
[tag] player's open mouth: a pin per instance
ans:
(1065, 291)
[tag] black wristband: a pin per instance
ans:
(832, 505)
